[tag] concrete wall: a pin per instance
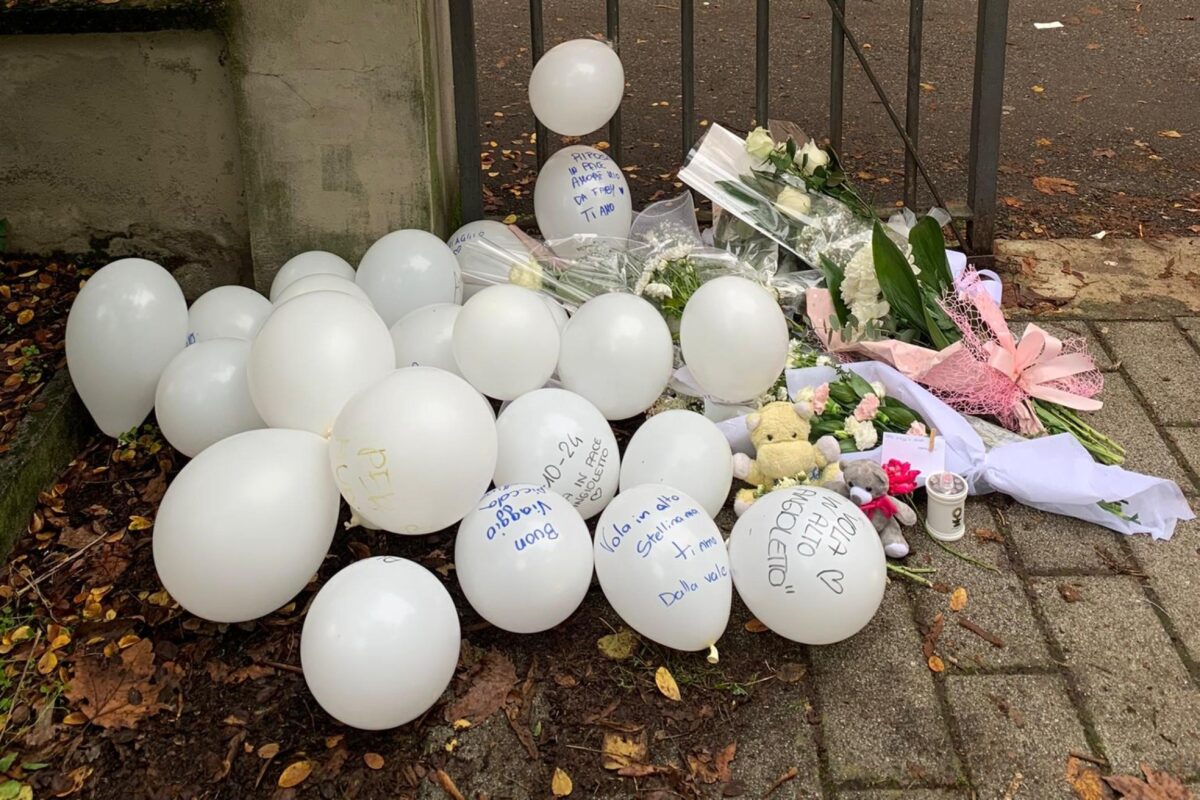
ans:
(344, 111)
(124, 143)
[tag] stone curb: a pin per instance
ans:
(44, 444)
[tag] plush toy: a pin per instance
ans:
(870, 487)
(779, 432)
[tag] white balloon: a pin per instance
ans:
(126, 324)
(203, 396)
(321, 282)
(576, 87)
(380, 643)
(407, 269)
(506, 341)
(685, 451)
(523, 558)
(734, 338)
(246, 524)
(662, 565)
(415, 452)
(312, 355)
(617, 352)
(422, 338)
(581, 190)
(561, 318)
(486, 251)
(227, 312)
(557, 439)
(808, 564)
(313, 262)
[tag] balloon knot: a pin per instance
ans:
(712, 656)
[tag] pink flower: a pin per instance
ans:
(902, 478)
(866, 408)
(917, 429)
(820, 398)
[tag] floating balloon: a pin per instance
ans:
(576, 86)
(617, 352)
(321, 282)
(314, 262)
(203, 396)
(808, 564)
(506, 341)
(734, 338)
(380, 643)
(407, 269)
(246, 524)
(312, 355)
(523, 558)
(422, 338)
(415, 452)
(227, 312)
(581, 190)
(126, 324)
(685, 451)
(557, 439)
(662, 565)
(486, 251)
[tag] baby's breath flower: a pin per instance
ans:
(657, 291)
(528, 274)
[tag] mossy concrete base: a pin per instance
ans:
(45, 442)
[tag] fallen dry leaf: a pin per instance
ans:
(373, 760)
(1053, 186)
(618, 646)
(621, 750)
(1069, 593)
(1158, 785)
(754, 626)
(268, 751)
(116, 694)
(295, 774)
(665, 682)
(790, 672)
(560, 783)
(723, 759)
(936, 664)
(510, 219)
(491, 681)
(1170, 134)
(447, 784)
(1085, 780)
(958, 599)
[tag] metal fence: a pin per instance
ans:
(978, 209)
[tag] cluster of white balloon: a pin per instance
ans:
(371, 386)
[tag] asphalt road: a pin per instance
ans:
(1097, 102)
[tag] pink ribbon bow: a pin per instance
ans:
(1036, 362)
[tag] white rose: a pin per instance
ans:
(759, 144)
(878, 388)
(812, 156)
(794, 202)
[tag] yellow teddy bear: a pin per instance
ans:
(779, 432)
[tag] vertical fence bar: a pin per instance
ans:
(986, 113)
(613, 24)
(466, 108)
(537, 43)
(912, 103)
(837, 79)
(762, 47)
(687, 73)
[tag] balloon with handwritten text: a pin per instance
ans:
(523, 558)
(557, 439)
(808, 564)
(581, 190)
(414, 453)
(663, 567)
(576, 86)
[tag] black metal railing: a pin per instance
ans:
(977, 210)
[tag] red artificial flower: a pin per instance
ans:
(902, 479)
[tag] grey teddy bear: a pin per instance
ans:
(867, 486)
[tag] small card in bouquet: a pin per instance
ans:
(916, 452)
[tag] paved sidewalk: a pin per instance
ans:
(1100, 652)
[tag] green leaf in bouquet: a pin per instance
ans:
(929, 254)
(860, 386)
(896, 280)
(842, 394)
(834, 275)
(901, 418)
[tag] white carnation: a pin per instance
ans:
(865, 436)
(860, 288)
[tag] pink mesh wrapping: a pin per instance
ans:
(966, 380)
